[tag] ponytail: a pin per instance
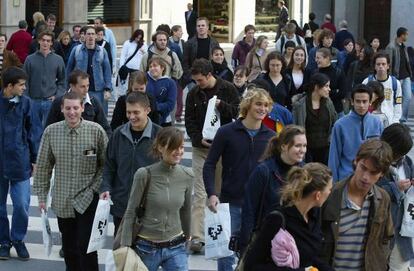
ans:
(301, 182)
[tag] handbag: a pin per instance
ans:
(124, 70)
(139, 211)
(126, 259)
(250, 247)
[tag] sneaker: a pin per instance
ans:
(4, 251)
(21, 250)
(196, 246)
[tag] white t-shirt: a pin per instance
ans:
(390, 107)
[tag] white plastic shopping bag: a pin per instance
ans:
(212, 120)
(407, 227)
(46, 233)
(110, 262)
(99, 226)
(217, 232)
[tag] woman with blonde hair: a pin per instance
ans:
(167, 215)
(64, 45)
(240, 145)
(297, 220)
(256, 57)
(38, 20)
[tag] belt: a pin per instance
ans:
(176, 241)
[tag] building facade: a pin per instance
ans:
(366, 18)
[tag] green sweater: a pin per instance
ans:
(168, 206)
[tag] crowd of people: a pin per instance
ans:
(311, 154)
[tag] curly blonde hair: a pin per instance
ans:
(250, 95)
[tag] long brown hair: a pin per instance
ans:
(286, 137)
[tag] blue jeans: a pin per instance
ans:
(226, 263)
(406, 97)
(42, 108)
(20, 196)
(99, 95)
(170, 259)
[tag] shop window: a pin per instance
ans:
(266, 15)
(112, 11)
(217, 12)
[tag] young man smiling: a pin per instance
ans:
(76, 149)
(240, 145)
(351, 131)
(356, 218)
(128, 150)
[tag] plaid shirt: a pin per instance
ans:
(77, 154)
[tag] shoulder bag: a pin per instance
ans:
(124, 70)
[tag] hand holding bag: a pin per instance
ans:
(217, 229)
(46, 233)
(99, 226)
(212, 121)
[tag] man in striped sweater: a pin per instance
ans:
(356, 219)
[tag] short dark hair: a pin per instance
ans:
(243, 70)
(290, 44)
(3, 35)
(22, 24)
(46, 33)
(71, 96)
(399, 138)
(175, 28)
(12, 75)
(164, 27)
(378, 152)
(361, 88)
(76, 26)
(99, 29)
(83, 29)
(90, 27)
(159, 32)
(75, 75)
(249, 27)
(312, 16)
(51, 17)
(381, 54)
(101, 20)
(326, 33)
(318, 80)
(401, 31)
(137, 98)
(347, 41)
(202, 66)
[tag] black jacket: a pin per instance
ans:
(308, 238)
(93, 112)
(337, 84)
(119, 116)
(191, 23)
(196, 108)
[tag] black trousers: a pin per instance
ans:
(320, 155)
(117, 222)
(75, 239)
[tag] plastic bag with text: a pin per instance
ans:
(99, 226)
(217, 232)
(46, 233)
(212, 121)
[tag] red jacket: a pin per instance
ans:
(19, 43)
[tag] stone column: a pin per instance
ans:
(11, 12)
(74, 12)
(143, 17)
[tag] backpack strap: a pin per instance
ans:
(140, 210)
(298, 40)
(370, 77)
(282, 43)
(394, 88)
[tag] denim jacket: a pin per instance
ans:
(388, 183)
(78, 59)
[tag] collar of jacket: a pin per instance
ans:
(152, 78)
(332, 207)
(126, 131)
(354, 114)
(239, 126)
(97, 47)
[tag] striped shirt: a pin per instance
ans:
(350, 249)
(77, 155)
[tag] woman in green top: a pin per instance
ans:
(166, 221)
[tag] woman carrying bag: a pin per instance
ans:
(165, 222)
(303, 194)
